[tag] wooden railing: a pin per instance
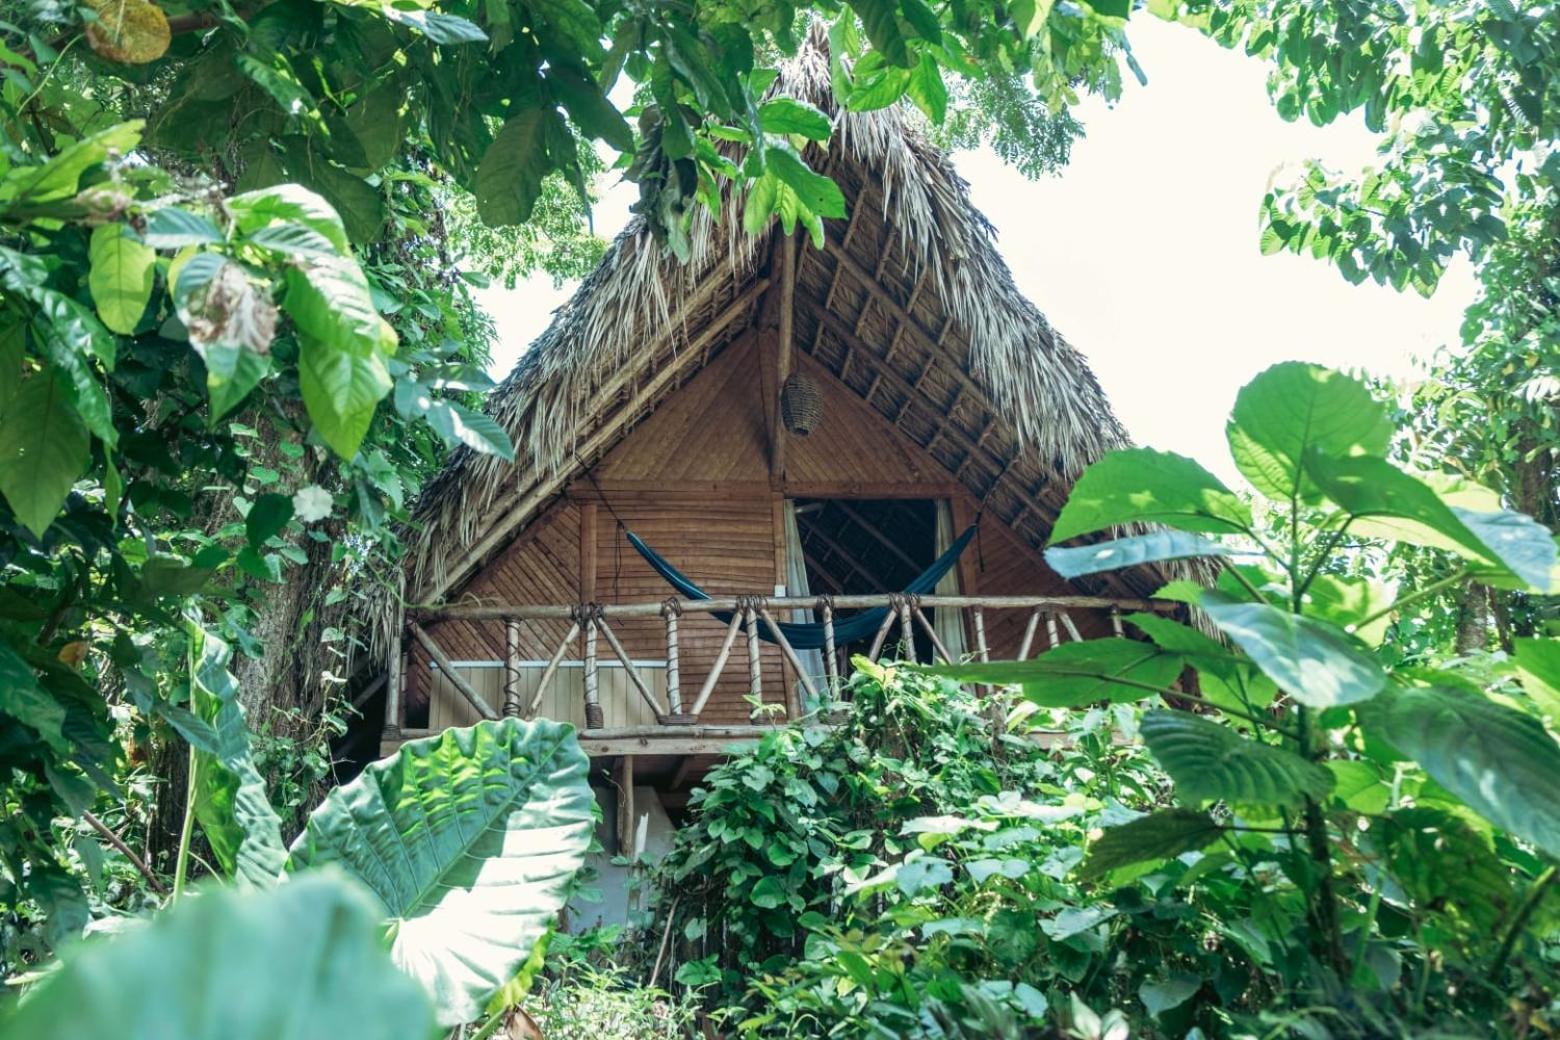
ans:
(590, 627)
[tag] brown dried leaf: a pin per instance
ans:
(131, 32)
(230, 310)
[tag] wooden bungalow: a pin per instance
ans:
(798, 431)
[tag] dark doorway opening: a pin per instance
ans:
(862, 546)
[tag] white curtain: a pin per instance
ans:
(796, 585)
(948, 622)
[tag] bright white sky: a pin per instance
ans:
(1144, 251)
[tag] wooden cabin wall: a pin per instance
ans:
(693, 480)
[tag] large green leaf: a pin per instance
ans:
(230, 796)
(341, 389)
(43, 449)
(1159, 835)
(470, 840)
(302, 962)
(1225, 677)
(1144, 485)
(880, 18)
(1444, 864)
(25, 701)
(1292, 409)
(60, 177)
(1129, 552)
(783, 115)
(458, 424)
(1213, 762)
(509, 179)
(1538, 664)
(1386, 502)
(1501, 763)
(288, 203)
(1075, 674)
(328, 299)
(120, 276)
(1313, 661)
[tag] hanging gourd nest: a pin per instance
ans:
(801, 404)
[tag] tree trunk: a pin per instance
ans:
(1472, 618)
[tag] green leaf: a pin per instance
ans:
(1538, 665)
(1130, 552)
(928, 90)
(1359, 786)
(458, 424)
(817, 193)
(1386, 502)
(1169, 993)
(1292, 409)
(288, 203)
(486, 827)
(120, 276)
(269, 514)
(303, 961)
(1140, 485)
(1164, 834)
(446, 29)
(1312, 661)
(1075, 674)
(574, 22)
(509, 178)
(1212, 762)
(230, 796)
(1498, 761)
(60, 177)
(341, 389)
(880, 18)
(173, 228)
(760, 204)
(768, 893)
(1443, 863)
(783, 115)
(43, 450)
(329, 301)
(28, 703)
(591, 110)
(231, 372)
(1346, 601)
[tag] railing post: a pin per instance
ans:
(552, 668)
(1029, 635)
(755, 666)
(906, 629)
(594, 719)
(980, 635)
(512, 668)
(391, 730)
(830, 665)
(670, 610)
(1115, 622)
(1050, 629)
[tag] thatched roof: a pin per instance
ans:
(910, 305)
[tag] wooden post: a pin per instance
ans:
(628, 665)
(882, 634)
(594, 719)
(937, 643)
(512, 669)
(830, 665)
(720, 663)
(673, 667)
(980, 635)
(906, 630)
(755, 665)
(792, 705)
(1029, 635)
(456, 679)
(392, 726)
(1050, 629)
(623, 777)
(1072, 629)
(783, 352)
(551, 669)
(1115, 622)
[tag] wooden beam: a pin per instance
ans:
(778, 434)
(448, 668)
(526, 500)
(844, 554)
(968, 568)
(623, 778)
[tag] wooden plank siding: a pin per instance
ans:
(693, 481)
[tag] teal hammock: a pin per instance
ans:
(809, 635)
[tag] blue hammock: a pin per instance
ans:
(809, 635)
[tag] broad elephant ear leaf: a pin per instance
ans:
(470, 840)
(235, 965)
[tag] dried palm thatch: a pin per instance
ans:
(909, 304)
